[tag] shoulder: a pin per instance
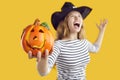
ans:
(85, 42)
(57, 43)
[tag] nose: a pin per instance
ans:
(35, 38)
(76, 18)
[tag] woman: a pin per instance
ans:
(71, 49)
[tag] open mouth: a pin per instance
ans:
(77, 24)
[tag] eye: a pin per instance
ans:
(71, 16)
(41, 31)
(79, 16)
(32, 30)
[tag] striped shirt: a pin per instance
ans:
(71, 58)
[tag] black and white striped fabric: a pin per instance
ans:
(71, 58)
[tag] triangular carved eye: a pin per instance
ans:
(32, 30)
(41, 31)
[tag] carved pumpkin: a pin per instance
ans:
(37, 37)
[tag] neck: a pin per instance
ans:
(72, 36)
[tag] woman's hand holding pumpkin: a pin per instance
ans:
(39, 56)
(42, 61)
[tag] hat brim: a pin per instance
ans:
(59, 16)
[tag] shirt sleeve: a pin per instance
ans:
(53, 57)
(92, 47)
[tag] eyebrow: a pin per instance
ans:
(75, 15)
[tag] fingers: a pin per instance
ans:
(105, 21)
(30, 55)
(46, 53)
(39, 56)
(97, 25)
(102, 23)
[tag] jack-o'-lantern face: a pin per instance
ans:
(37, 38)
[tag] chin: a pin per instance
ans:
(76, 31)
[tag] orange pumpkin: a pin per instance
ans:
(37, 37)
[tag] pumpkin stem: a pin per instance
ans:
(36, 22)
(45, 25)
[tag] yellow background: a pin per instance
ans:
(15, 15)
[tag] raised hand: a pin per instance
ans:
(102, 25)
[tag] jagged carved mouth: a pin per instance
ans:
(35, 47)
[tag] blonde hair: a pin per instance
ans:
(63, 31)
